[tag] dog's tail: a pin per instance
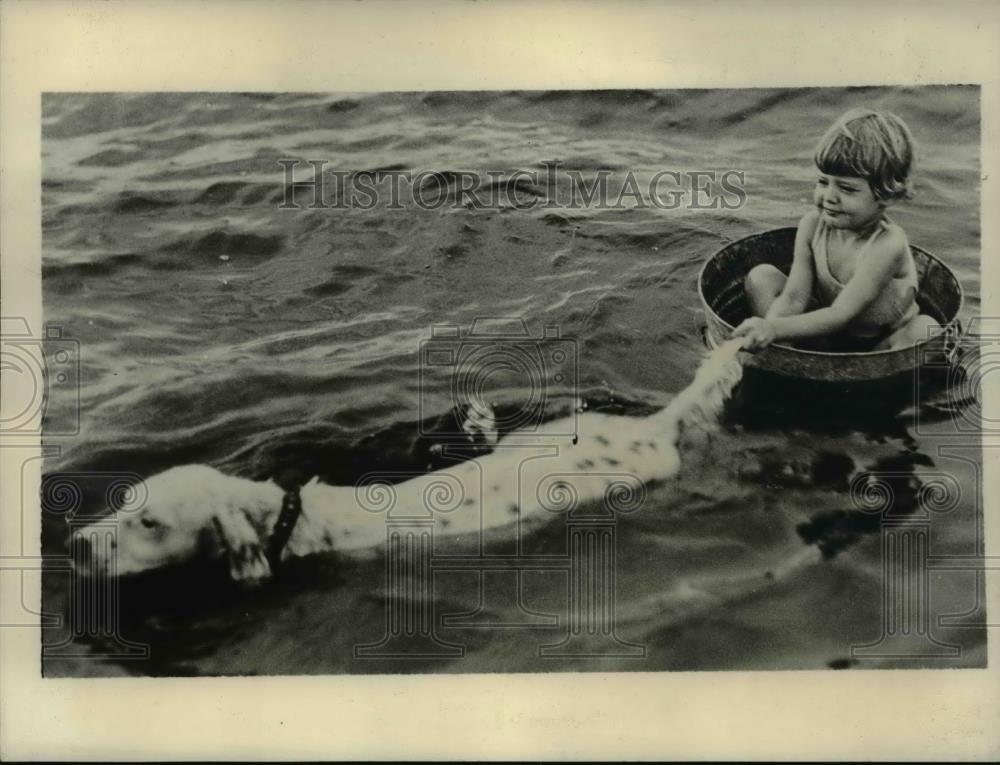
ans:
(701, 402)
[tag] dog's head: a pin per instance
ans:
(191, 512)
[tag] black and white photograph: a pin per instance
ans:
(513, 381)
(505, 381)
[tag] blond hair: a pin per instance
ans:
(870, 144)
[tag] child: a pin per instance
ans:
(853, 282)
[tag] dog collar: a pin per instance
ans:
(291, 509)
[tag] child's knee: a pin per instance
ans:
(764, 279)
(762, 285)
(919, 329)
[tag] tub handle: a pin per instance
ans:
(706, 337)
(953, 337)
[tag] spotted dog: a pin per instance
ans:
(196, 511)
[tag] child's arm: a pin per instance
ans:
(798, 288)
(871, 276)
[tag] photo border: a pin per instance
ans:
(377, 46)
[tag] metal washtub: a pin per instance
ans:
(720, 286)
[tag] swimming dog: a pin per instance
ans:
(196, 511)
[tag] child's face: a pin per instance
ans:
(846, 201)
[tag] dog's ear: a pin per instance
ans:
(242, 545)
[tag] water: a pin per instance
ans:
(215, 327)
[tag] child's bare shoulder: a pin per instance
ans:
(892, 242)
(808, 223)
